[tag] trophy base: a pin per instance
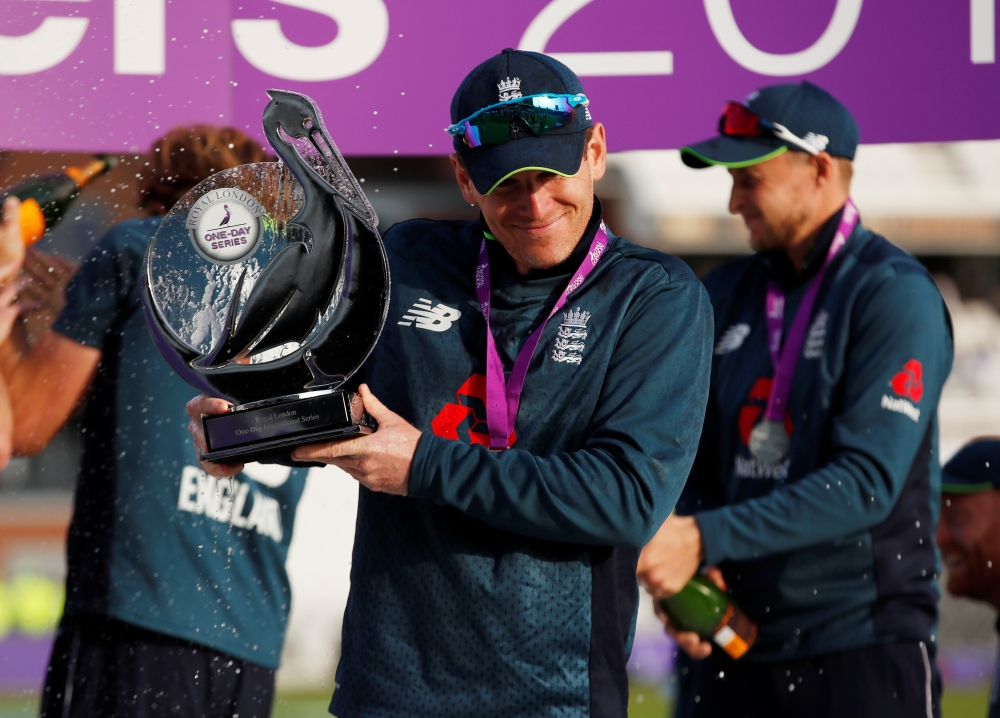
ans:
(267, 431)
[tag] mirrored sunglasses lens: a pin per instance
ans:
(738, 120)
(494, 127)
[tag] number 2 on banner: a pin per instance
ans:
(590, 64)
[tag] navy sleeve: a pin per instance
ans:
(703, 490)
(901, 342)
(106, 284)
(640, 444)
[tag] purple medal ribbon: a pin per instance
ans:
(786, 358)
(500, 414)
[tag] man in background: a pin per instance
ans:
(968, 533)
(816, 485)
(176, 594)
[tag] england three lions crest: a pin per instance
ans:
(571, 339)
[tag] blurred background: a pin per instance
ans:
(941, 202)
(110, 75)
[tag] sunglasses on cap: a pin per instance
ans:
(738, 120)
(494, 124)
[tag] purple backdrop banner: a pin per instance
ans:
(112, 75)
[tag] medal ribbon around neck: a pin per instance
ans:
(501, 414)
(785, 358)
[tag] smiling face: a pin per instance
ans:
(786, 200)
(539, 217)
(775, 198)
(969, 538)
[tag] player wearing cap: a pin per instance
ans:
(969, 530)
(816, 482)
(521, 461)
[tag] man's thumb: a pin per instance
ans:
(379, 411)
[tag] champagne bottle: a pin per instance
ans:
(704, 609)
(45, 200)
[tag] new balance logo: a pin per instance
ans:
(434, 318)
(732, 338)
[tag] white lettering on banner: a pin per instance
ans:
(362, 31)
(590, 64)
(43, 48)
(224, 500)
(140, 37)
(820, 53)
(982, 21)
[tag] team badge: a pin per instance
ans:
(571, 339)
(509, 89)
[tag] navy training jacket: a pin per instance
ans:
(834, 548)
(504, 584)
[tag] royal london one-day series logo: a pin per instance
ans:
(225, 225)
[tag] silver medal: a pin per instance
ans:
(769, 442)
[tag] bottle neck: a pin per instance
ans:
(83, 175)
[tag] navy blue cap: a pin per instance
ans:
(517, 73)
(974, 469)
(804, 109)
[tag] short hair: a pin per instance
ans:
(186, 156)
(845, 164)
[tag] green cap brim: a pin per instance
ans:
(947, 488)
(732, 152)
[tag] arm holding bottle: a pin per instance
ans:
(666, 564)
(12, 250)
(42, 383)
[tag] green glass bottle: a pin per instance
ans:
(46, 200)
(704, 609)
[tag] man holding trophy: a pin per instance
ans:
(539, 390)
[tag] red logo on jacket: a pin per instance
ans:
(466, 420)
(751, 412)
(910, 381)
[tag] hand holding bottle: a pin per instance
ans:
(45, 200)
(665, 566)
(694, 608)
(671, 557)
(10, 240)
(689, 641)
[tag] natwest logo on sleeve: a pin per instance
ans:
(910, 381)
(908, 384)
